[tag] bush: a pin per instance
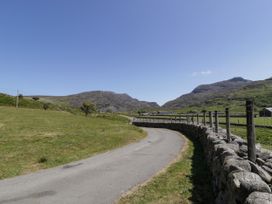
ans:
(45, 106)
(35, 98)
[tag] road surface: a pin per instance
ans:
(100, 179)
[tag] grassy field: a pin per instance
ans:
(186, 181)
(258, 121)
(263, 135)
(35, 139)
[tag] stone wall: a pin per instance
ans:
(236, 180)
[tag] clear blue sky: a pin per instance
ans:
(154, 50)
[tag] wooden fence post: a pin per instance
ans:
(204, 117)
(251, 137)
(193, 119)
(216, 121)
(211, 119)
(228, 124)
(197, 118)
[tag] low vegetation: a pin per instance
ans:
(186, 181)
(32, 139)
(88, 108)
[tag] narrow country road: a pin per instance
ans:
(99, 179)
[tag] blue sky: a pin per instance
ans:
(154, 50)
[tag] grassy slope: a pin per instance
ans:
(186, 181)
(27, 135)
(26, 102)
(260, 91)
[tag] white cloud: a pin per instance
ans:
(202, 73)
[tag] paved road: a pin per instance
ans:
(99, 179)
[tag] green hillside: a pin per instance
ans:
(28, 102)
(260, 91)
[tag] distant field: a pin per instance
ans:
(36, 139)
(263, 135)
(258, 121)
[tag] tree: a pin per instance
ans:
(21, 96)
(45, 106)
(35, 98)
(141, 112)
(88, 108)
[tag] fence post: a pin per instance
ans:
(228, 124)
(187, 117)
(216, 121)
(193, 119)
(197, 118)
(251, 137)
(204, 117)
(211, 119)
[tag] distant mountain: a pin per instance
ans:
(204, 94)
(104, 101)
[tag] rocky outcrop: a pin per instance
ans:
(236, 180)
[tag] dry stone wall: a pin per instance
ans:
(236, 180)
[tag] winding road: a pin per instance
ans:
(99, 179)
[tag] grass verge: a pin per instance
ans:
(36, 139)
(186, 181)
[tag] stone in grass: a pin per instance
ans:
(259, 198)
(242, 183)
